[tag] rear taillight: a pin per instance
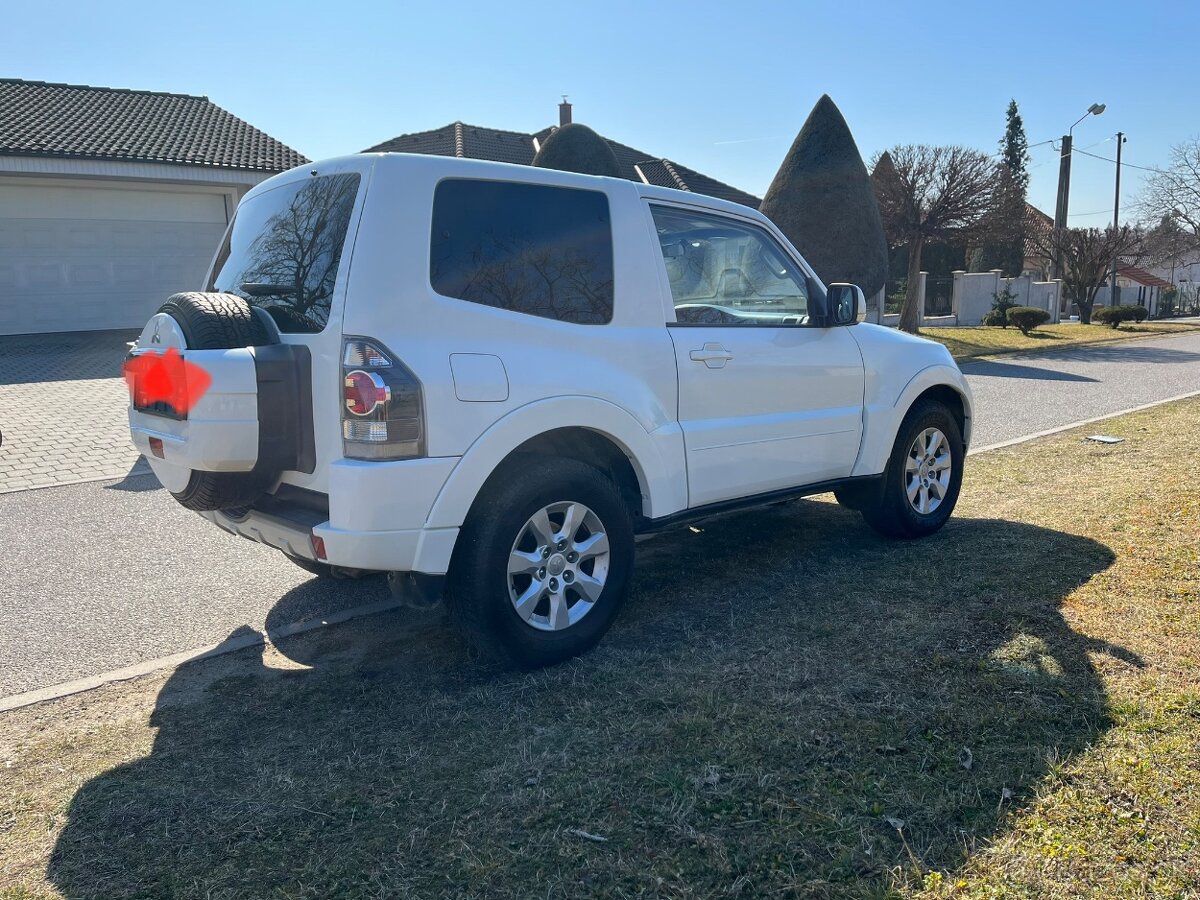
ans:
(382, 406)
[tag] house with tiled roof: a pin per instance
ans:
(113, 199)
(498, 145)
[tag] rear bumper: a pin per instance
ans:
(424, 550)
(374, 517)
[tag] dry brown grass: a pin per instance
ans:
(979, 340)
(788, 705)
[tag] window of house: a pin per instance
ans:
(723, 272)
(534, 249)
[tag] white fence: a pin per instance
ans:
(972, 296)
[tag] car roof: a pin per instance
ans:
(452, 166)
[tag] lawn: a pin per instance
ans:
(789, 705)
(981, 340)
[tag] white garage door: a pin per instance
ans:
(82, 258)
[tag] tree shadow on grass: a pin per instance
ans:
(783, 688)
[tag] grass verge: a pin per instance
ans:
(788, 705)
(979, 340)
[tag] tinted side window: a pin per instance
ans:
(723, 272)
(283, 251)
(544, 251)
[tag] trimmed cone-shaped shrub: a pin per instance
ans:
(822, 200)
(576, 148)
(1027, 318)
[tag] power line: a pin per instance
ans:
(1123, 163)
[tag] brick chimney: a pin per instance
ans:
(564, 112)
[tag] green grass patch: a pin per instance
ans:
(788, 705)
(981, 340)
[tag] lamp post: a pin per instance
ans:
(1064, 175)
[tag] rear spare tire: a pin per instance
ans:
(219, 322)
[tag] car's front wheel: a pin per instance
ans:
(923, 476)
(542, 564)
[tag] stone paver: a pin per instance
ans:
(62, 410)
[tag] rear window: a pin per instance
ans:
(283, 252)
(533, 249)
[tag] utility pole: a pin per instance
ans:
(1114, 292)
(1064, 191)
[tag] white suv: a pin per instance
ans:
(488, 379)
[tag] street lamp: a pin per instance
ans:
(1064, 174)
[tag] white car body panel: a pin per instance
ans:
(786, 409)
(795, 406)
(899, 367)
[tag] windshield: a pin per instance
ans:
(283, 251)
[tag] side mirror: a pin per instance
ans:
(847, 304)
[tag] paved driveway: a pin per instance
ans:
(62, 409)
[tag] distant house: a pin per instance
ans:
(1037, 226)
(1139, 288)
(476, 142)
(112, 199)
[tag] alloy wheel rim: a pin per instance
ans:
(558, 566)
(927, 470)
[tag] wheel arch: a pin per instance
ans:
(592, 431)
(883, 414)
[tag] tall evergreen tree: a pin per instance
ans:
(1014, 149)
(1003, 244)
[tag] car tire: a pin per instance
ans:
(923, 476)
(216, 321)
(543, 614)
(211, 321)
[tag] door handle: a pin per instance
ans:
(712, 355)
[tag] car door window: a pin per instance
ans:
(723, 272)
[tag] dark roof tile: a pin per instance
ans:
(518, 147)
(71, 120)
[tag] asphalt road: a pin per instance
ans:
(100, 576)
(1020, 395)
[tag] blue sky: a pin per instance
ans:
(721, 87)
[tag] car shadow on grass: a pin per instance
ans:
(787, 704)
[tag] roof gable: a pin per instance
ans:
(70, 120)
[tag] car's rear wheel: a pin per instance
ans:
(219, 322)
(923, 476)
(542, 565)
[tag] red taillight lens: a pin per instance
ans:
(383, 407)
(364, 392)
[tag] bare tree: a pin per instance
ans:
(930, 193)
(1175, 191)
(1169, 244)
(1086, 257)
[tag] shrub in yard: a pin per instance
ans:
(822, 199)
(576, 148)
(1027, 318)
(1115, 315)
(1001, 304)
